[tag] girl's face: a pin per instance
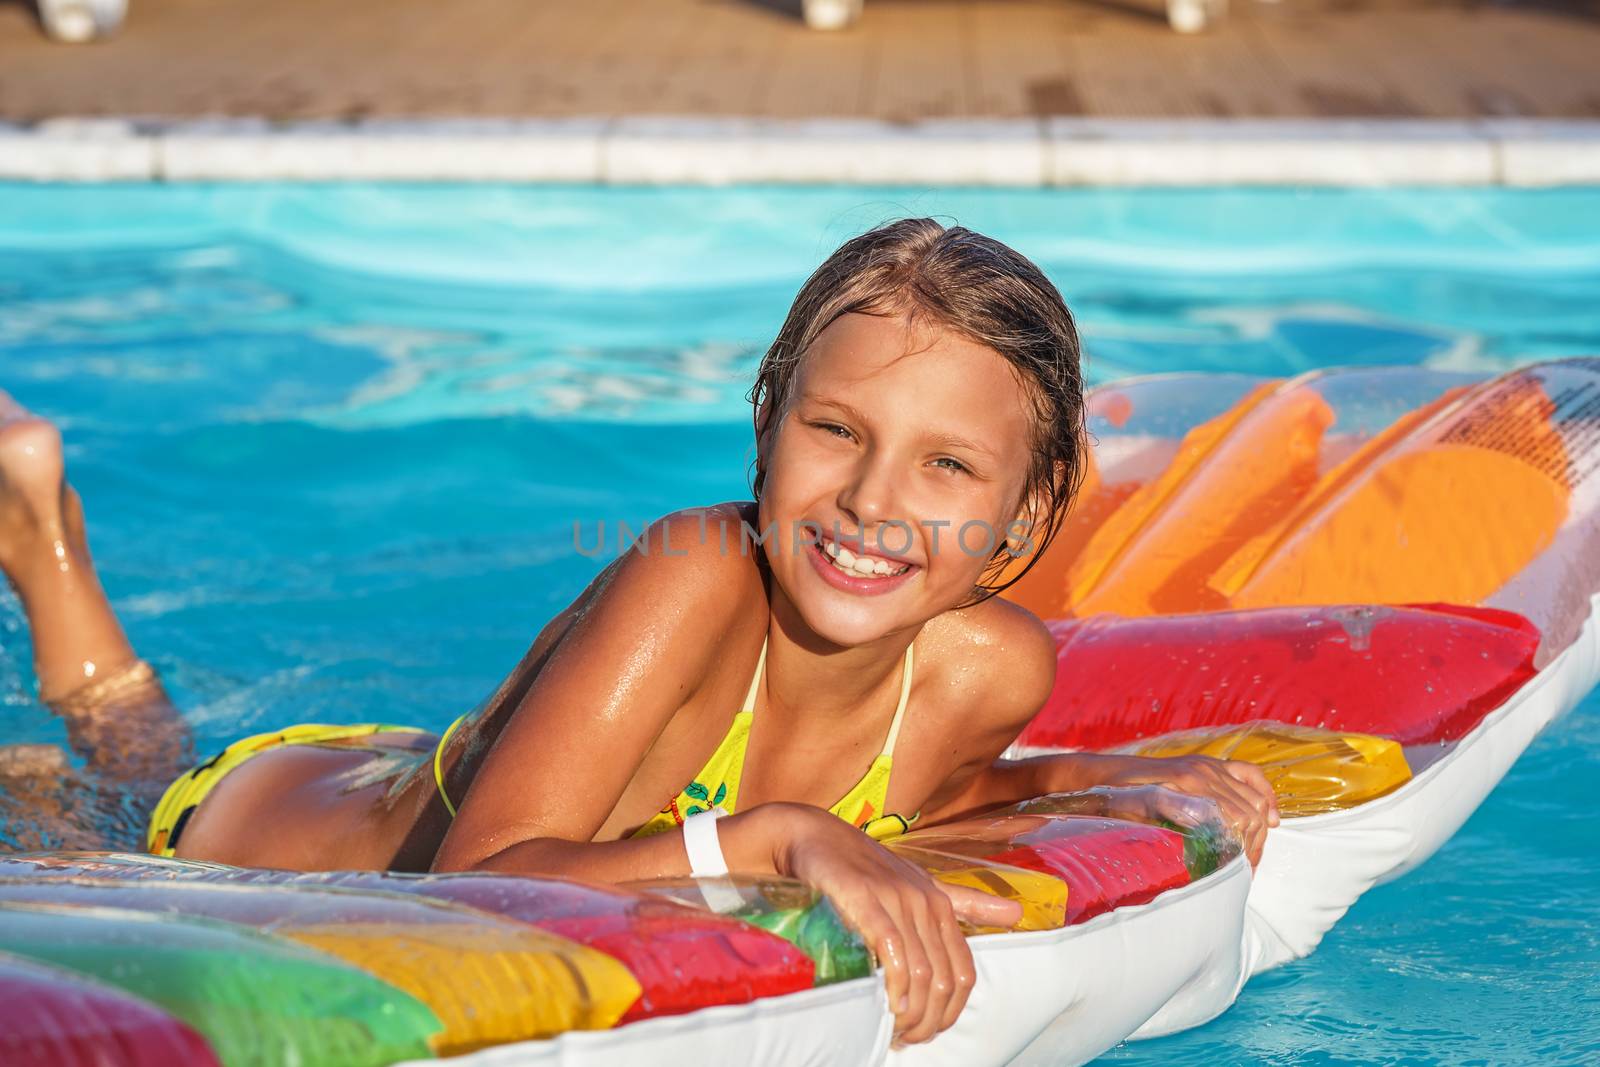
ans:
(893, 476)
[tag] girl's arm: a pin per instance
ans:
(581, 731)
(1241, 791)
(1010, 690)
(602, 700)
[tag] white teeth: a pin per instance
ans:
(852, 564)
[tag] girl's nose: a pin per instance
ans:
(870, 496)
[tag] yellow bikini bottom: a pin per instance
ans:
(183, 796)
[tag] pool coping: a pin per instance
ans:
(661, 150)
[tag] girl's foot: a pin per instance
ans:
(76, 637)
(41, 520)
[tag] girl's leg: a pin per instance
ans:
(117, 714)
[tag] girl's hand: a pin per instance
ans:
(1248, 804)
(907, 918)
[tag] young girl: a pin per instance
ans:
(824, 660)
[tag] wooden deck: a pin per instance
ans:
(906, 60)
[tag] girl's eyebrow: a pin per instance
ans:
(943, 439)
(950, 440)
(849, 411)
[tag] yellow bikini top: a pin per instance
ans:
(717, 784)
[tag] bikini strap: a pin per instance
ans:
(900, 712)
(438, 769)
(755, 681)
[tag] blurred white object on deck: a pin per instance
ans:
(830, 14)
(1192, 16)
(77, 21)
(1185, 16)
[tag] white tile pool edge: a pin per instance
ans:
(719, 151)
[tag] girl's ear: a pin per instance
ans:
(1033, 516)
(1019, 531)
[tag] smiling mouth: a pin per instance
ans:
(862, 565)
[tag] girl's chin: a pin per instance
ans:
(848, 633)
(847, 621)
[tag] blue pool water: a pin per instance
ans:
(332, 441)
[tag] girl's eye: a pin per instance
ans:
(833, 429)
(953, 464)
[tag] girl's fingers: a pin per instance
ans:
(919, 973)
(1230, 795)
(1240, 791)
(963, 974)
(1240, 794)
(978, 908)
(1256, 779)
(880, 933)
(1241, 812)
(1252, 830)
(939, 983)
(1256, 804)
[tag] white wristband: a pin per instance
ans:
(700, 841)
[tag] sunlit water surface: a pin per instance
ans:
(333, 441)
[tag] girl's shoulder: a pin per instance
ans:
(664, 608)
(718, 538)
(992, 664)
(689, 561)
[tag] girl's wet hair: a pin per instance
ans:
(978, 287)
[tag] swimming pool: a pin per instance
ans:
(332, 441)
